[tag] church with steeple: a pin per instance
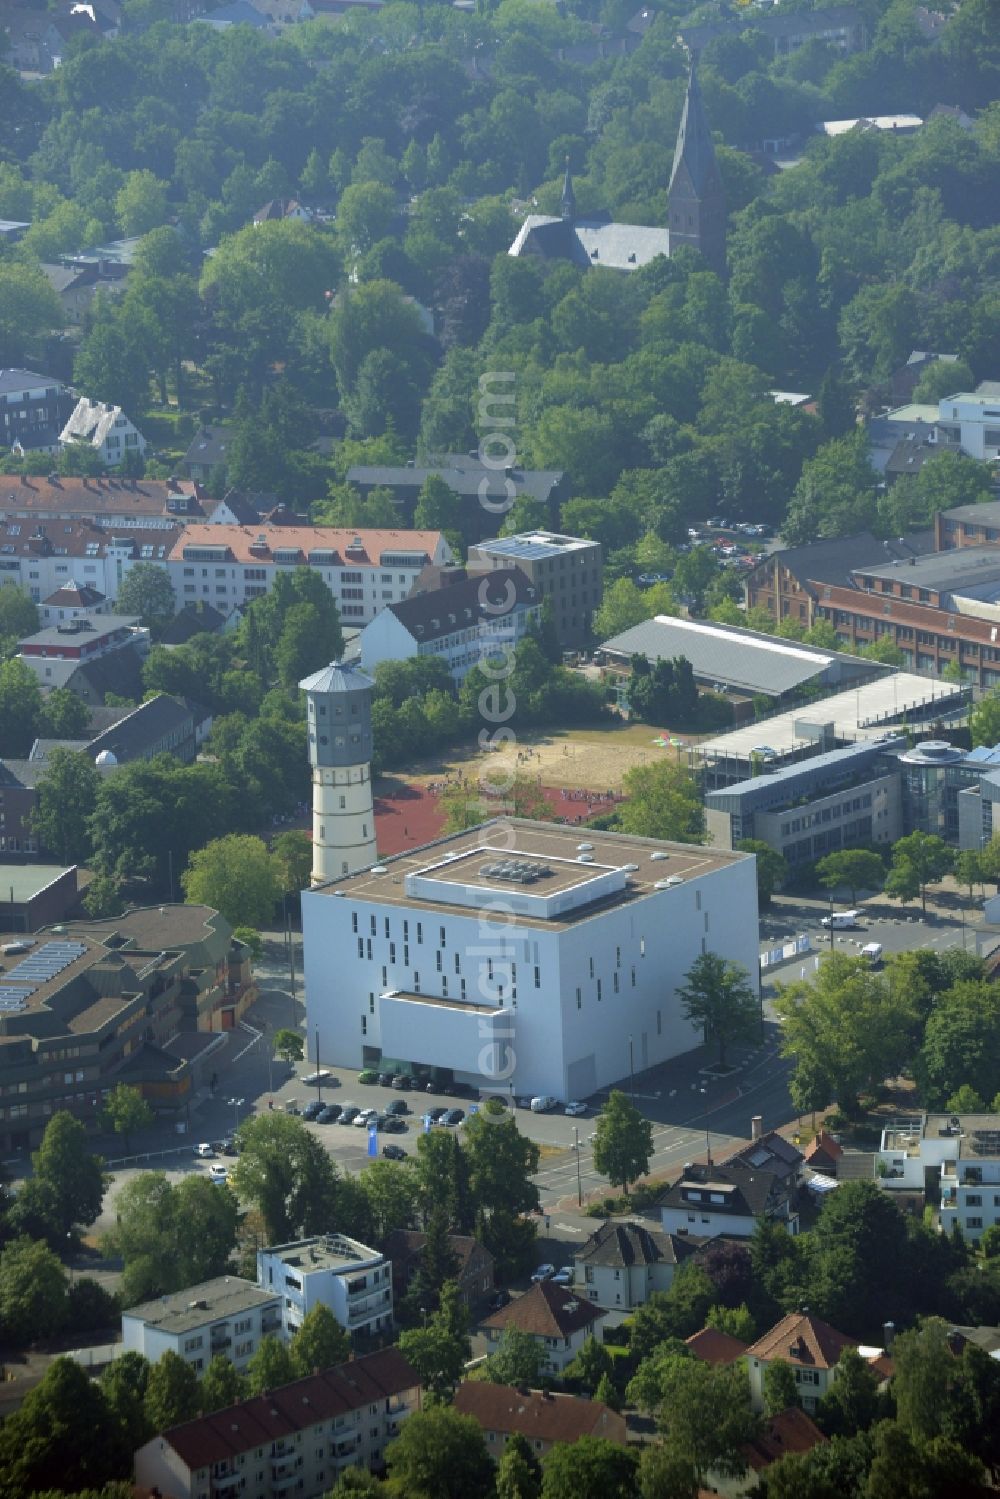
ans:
(696, 211)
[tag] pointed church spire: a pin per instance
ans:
(568, 206)
(696, 198)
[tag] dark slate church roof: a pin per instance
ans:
(591, 241)
(695, 167)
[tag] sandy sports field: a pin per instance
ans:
(592, 759)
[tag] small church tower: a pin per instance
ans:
(696, 202)
(567, 207)
(340, 751)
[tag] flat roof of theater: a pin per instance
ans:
(459, 857)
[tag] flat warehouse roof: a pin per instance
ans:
(865, 712)
(27, 880)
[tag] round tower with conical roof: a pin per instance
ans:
(340, 751)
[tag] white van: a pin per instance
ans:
(544, 1104)
(872, 953)
(841, 921)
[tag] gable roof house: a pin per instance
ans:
(105, 429)
(811, 1346)
(713, 1346)
(622, 1264)
(207, 450)
(710, 1200)
(542, 1418)
(770, 1152)
(558, 1319)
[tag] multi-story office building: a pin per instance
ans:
(334, 1271)
(119, 1000)
(55, 653)
(567, 571)
(226, 1316)
(517, 956)
(295, 1440)
(42, 556)
(364, 570)
(33, 409)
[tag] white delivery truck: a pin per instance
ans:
(841, 921)
(872, 953)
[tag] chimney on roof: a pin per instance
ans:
(756, 1127)
(888, 1334)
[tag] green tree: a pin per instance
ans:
(171, 1392)
(64, 715)
(846, 1032)
(288, 1045)
(438, 1264)
(76, 1176)
(772, 867)
(961, 1044)
(237, 876)
(884, 650)
(623, 1141)
(852, 1402)
(718, 998)
(589, 1468)
(851, 868)
(67, 795)
(590, 1365)
(858, 1260)
(28, 306)
(438, 507)
(665, 1473)
(123, 1385)
(519, 1473)
(623, 606)
(320, 1342)
(706, 1414)
(146, 591)
(516, 1360)
(780, 1389)
(662, 801)
(288, 1175)
(18, 615)
(126, 1112)
(32, 1292)
(64, 1437)
(392, 1192)
(737, 1321)
(442, 1454)
(919, 860)
(220, 1386)
(171, 1236)
(271, 1366)
(20, 708)
(984, 719)
(440, 1349)
(141, 203)
(293, 853)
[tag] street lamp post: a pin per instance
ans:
(703, 1090)
(579, 1183)
(237, 1104)
(631, 1070)
(319, 1085)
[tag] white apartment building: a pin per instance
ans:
(970, 421)
(296, 1440)
(464, 623)
(364, 570)
(43, 556)
(961, 1153)
(226, 1315)
(522, 957)
(622, 1264)
(355, 1282)
(106, 430)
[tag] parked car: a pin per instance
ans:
(451, 1117)
(544, 1272)
(292, 1107)
(218, 1173)
(394, 1125)
(316, 1079)
(312, 1109)
(368, 1076)
(402, 1081)
(230, 1147)
(394, 1152)
(349, 1114)
(564, 1277)
(363, 1117)
(499, 1300)
(328, 1113)
(544, 1104)
(385, 1079)
(397, 1106)
(436, 1115)
(576, 1110)
(204, 1151)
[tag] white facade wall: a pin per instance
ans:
(41, 576)
(360, 590)
(698, 1218)
(385, 639)
(237, 1337)
(905, 1166)
(582, 989)
(978, 420)
(812, 1384)
(558, 1351)
(970, 1196)
(623, 1286)
(359, 1293)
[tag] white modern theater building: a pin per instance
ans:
(526, 957)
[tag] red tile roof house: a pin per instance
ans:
(540, 1418)
(713, 1346)
(296, 1440)
(558, 1319)
(809, 1345)
(823, 1154)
